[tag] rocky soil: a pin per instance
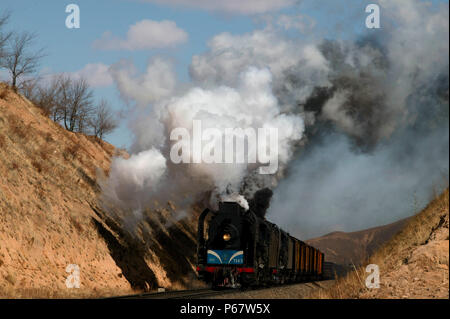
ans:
(50, 217)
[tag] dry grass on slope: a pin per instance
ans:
(50, 217)
(413, 264)
(47, 179)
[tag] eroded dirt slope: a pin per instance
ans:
(413, 264)
(417, 266)
(50, 218)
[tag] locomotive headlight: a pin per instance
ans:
(226, 237)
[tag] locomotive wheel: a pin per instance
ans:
(248, 281)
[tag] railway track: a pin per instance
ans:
(199, 293)
(179, 294)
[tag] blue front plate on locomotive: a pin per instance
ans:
(225, 257)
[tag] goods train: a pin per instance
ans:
(242, 249)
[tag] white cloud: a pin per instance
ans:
(230, 6)
(96, 74)
(301, 23)
(145, 34)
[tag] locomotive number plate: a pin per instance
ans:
(225, 257)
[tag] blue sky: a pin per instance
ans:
(70, 50)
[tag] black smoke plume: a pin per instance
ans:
(260, 202)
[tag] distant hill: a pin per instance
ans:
(355, 247)
(414, 263)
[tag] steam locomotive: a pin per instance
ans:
(242, 249)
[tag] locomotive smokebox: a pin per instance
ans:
(231, 208)
(225, 228)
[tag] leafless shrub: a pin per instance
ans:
(29, 88)
(48, 137)
(71, 151)
(17, 127)
(37, 165)
(103, 121)
(46, 95)
(76, 225)
(14, 166)
(40, 192)
(3, 93)
(2, 141)
(45, 152)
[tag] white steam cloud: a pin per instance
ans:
(156, 83)
(343, 109)
(131, 179)
(249, 104)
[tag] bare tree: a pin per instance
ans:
(19, 59)
(52, 97)
(103, 121)
(4, 36)
(75, 103)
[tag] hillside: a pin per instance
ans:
(355, 247)
(50, 218)
(413, 264)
